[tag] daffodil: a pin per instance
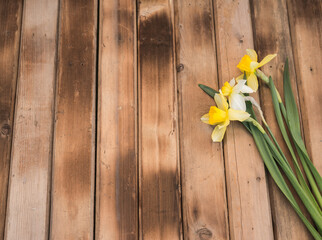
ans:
(234, 93)
(221, 116)
(249, 65)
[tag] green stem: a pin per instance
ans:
(307, 171)
(307, 201)
(279, 109)
(277, 176)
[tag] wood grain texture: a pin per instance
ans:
(306, 32)
(248, 199)
(202, 163)
(277, 39)
(158, 152)
(72, 213)
(117, 183)
(10, 26)
(28, 202)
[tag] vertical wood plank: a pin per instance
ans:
(203, 173)
(248, 200)
(72, 213)
(117, 188)
(28, 202)
(158, 151)
(268, 40)
(306, 32)
(10, 25)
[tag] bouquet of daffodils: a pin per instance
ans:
(234, 104)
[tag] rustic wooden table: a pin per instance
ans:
(100, 117)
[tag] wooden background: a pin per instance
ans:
(100, 131)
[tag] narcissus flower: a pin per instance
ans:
(221, 116)
(234, 92)
(249, 65)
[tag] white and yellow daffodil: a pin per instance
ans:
(221, 116)
(249, 65)
(234, 93)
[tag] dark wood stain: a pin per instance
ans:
(126, 176)
(117, 32)
(159, 202)
(74, 159)
(155, 43)
(308, 9)
(203, 22)
(75, 93)
(10, 24)
(160, 210)
(127, 193)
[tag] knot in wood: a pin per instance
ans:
(204, 234)
(180, 67)
(5, 130)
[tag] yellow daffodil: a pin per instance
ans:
(249, 65)
(234, 93)
(221, 116)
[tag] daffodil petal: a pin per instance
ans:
(225, 124)
(205, 118)
(237, 115)
(266, 60)
(238, 87)
(232, 82)
(253, 66)
(252, 82)
(237, 102)
(240, 77)
(252, 54)
(246, 89)
(218, 133)
(221, 101)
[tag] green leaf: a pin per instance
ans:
(279, 118)
(301, 146)
(307, 201)
(210, 91)
(273, 169)
(293, 118)
(278, 114)
(309, 176)
(293, 122)
(249, 109)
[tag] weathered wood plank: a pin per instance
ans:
(248, 200)
(158, 151)
(28, 202)
(306, 32)
(202, 164)
(268, 40)
(117, 188)
(10, 26)
(72, 213)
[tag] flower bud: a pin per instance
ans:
(262, 76)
